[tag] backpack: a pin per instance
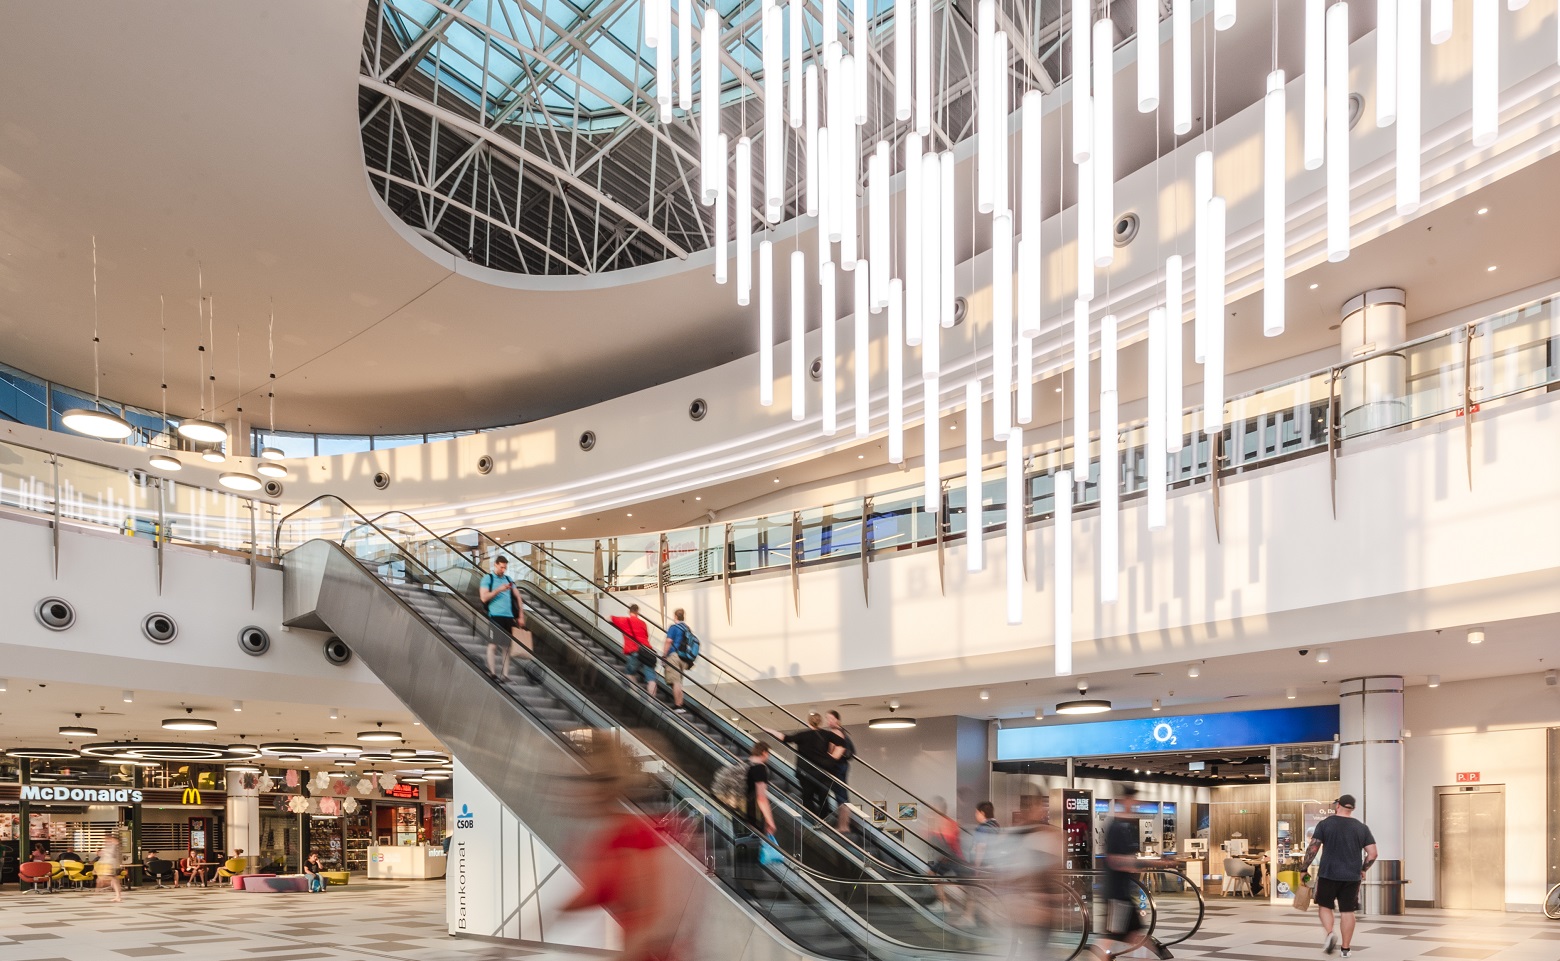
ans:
(730, 785)
(686, 644)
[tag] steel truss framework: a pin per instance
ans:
(523, 134)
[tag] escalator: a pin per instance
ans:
(424, 639)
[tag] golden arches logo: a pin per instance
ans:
(191, 796)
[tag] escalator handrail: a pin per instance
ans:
(726, 672)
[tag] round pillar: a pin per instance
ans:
(1373, 394)
(1370, 767)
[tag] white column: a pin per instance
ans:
(1373, 394)
(1370, 760)
(243, 824)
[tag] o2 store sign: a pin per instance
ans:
(35, 792)
(1292, 725)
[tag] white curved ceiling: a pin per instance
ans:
(224, 134)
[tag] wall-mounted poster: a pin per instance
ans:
(908, 811)
(880, 812)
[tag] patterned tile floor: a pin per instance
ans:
(391, 921)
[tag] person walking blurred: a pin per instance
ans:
(817, 751)
(106, 870)
(1023, 862)
(841, 770)
(1123, 920)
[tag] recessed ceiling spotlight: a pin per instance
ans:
(1323, 656)
(238, 706)
(861, 456)
(630, 513)
(1194, 670)
(1155, 705)
(1433, 680)
(1484, 210)
(128, 697)
(1490, 269)
(985, 695)
(697, 497)
(563, 528)
(335, 714)
(1290, 693)
(1314, 286)
(1475, 635)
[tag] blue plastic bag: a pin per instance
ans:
(769, 853)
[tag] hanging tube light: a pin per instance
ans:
(1032, 218)
(861, 50)
(931, 445)
(974, 506)
(999, 122)
(904, 83)
(709, 106)
(1079, 37)
(1181, 66)
(1409, 123)
(896, 371)
(912, 239)
(843, 141)
(1085, 213)
(774, 119)
(985, 115)
(1081, 399)
(1148, 56)
(1024, 380)
(798, 335)
(810, 142)
(1223, 14)
(1273, 233)
(1104, 155)
(1440, 21)
(1014, 517)
(1001, 325)
(1062, 563)
(1213, 365)
(825, 199)
(1154, 441)
(1110, 465)
(1486, 72)
(796, 83)
(722, 213)
(1175, 317)
(945, 192)
(1315, 139)
(879, 237)
(685, 54)
(1202, 192)
(931, 275)
(744, 217)
(831, 33)
(652, 22)
(863, 352)
(923, 68)
(1386, 62)
(663, 59)
(828, 320)
(1338, 131)
(766, 322)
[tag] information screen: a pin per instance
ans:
(1193, 732)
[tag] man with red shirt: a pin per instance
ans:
(637, 651)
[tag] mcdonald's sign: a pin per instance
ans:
(191, 796)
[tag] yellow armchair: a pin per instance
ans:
(76, 872)
(56, 872)
(232, 867)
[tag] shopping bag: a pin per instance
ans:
(1302, 897)
(769, 854)
(518, 649)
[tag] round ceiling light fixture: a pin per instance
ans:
(374, 756)
(291, 749)
(346, 763)
(202, 431)
(96, 423)
(162, 460)
(213, 455)
(128, 762)
(243, 768)
(271, 469)
(1083, 706)
(413, 780)
(77, 730)
(344, 749)
(243, 750)
(237, 480)
(402, 753)
(379, 734)
(43, 753)
(894, 722)
(271, 453)
(188, 722)
(435, 776)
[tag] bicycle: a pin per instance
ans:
(1552, 903)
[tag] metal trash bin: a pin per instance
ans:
(1383, 892)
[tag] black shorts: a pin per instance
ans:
(507, 624)
(1341, 896)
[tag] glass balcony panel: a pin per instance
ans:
(26, 479)
(208, 518)
(23, 398)
(635, 565)
(761, 543)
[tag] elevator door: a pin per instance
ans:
(1472, 838)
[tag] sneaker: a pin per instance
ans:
(1345, 952)
(680, 709)
(1330, 943)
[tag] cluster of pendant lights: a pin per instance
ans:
(97, 422)
(823, 94)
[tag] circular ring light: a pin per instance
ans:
(188, 724)
(292, 749)
(402, 753)
(43, 753)
(435, 776)
(77, 730)
(379, 734)
(127, 751)
(242, 768)
(374, 756)
(244, 750)
(343, 749)
(96, 423)
(202, 431)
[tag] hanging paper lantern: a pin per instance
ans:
(387, 781)
(365, 786)
(297, 804)
(321, 780)
(350, 805)
(329, 805)
(292, 778)
(339, 787)
(266, 784)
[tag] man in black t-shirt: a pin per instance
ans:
(1123, 920)
(759, 814)
(1348, 850)
(817, 751)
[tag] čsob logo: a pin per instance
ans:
(465, 818)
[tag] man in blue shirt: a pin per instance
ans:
(504, 609)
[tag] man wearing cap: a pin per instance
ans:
(1348, 850)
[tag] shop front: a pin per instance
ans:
(1232, 797)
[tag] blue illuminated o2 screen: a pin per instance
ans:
(1192, 732)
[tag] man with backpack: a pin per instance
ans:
(504, 609)
(682, 649)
